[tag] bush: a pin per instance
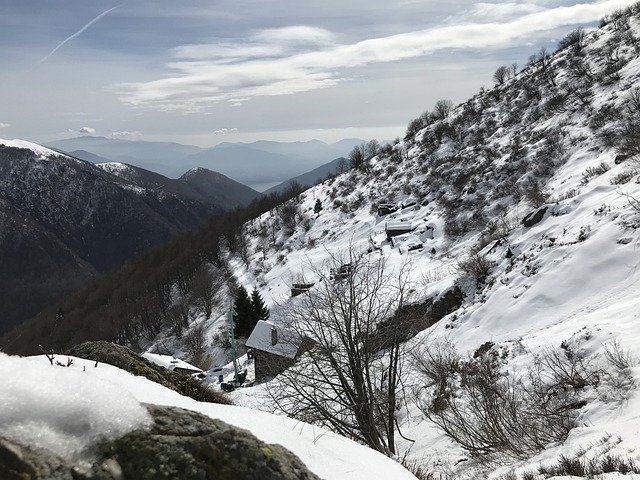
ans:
(623, 177)
(592, 172)
(487, 411)
(475, 265)
(574, 38)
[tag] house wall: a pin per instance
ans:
(266, 363)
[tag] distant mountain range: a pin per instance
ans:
(251, 163)
(63, 219)
(313, 177)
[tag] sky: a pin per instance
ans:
(203, 72)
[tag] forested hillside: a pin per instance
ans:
(63, 220)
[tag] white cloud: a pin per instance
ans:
(125, 133)
(497, 12)
(88, 130)
(271, 63)
(224, 131)
(4, 125)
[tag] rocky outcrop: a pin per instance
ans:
(181, 444)
(124, 358)
(534, 217)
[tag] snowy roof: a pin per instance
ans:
(398, 225)
(169, 362)
(282, 342)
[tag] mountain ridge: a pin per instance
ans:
(243, 162)
(64, 218)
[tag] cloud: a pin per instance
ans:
(497, 12)
(121, 134)
(83, 131)
(299, 59)
(4, 125)
(224, 131)
(77, 34)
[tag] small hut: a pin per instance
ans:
(393, 228)
(274, 348)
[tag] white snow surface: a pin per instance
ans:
(68, 409)
(574, 277)
(65, 410)
(39, 149)
(114, 168)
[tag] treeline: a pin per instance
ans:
(137, 300)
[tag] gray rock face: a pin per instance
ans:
(18, 462)
(181, 444)
(184, 444)
(534, 218)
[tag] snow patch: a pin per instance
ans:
(64, 410)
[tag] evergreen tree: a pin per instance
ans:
(317, 207)
(260, 310)
(243, 313)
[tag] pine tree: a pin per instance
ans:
(243, 313)
(317, 207)
(260, 310)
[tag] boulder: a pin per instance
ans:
(180, 444)
(534, 217)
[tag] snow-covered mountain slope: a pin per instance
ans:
(526, 198)
(67, 410)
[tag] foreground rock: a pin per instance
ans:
(180, 444)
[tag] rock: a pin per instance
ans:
(18, 462)
(126, 359)
(185, 444)
(181, 444)
(534, 218)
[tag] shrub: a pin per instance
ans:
(486, 410)
(623, 177)
(592, 172)
(574, 38)
(476, 266)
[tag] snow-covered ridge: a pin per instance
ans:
(39, 149)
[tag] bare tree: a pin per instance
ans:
(195, 343)
(178, 318)
(442, 108)
(358, 156)
(205, 286)
(350, 378)
(372, 149)
(502, 74)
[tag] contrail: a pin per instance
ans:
(78, 33)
